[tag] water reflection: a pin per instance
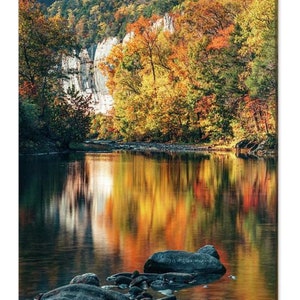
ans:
(107, 213)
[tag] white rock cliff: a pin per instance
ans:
(82, 70)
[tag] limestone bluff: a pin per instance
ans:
(81, 70)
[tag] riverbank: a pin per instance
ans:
(91, 145)
(243, 148)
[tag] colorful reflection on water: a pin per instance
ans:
(108, 212)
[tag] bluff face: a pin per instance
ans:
(81, 70)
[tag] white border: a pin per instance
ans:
(289, 116)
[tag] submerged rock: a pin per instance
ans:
(204, 261)
(176, 277)
(178, 283)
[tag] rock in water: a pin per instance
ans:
(87, 278)
(201, 262)
(209, 249)
(80, 291)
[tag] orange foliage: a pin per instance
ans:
(145, 42)
(143, 26)
(204, 18)
(179, 62)
(257, 112)
(203, 106)
(221, 40)
(110, 65)
(27, 89)
(26, 4)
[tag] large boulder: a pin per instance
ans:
(204, 261)
(82, 287)
(81, 291)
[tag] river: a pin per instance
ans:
(108, 212)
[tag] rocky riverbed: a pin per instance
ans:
(242, 148)
(164, 273)
(91, 145)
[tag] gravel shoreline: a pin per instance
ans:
(118, 146)
(144, 146)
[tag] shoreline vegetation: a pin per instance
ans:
(245, 148)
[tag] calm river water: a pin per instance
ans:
(108, 212)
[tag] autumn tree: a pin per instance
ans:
(259, 48)
(137, 74)
(203, 31)
(160, 76)
(204, 81)
(42, 43)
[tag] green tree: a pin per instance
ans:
(258, 35)
(42, 42)
(107, 18)
(204, 30)
(70, 118)
(30, 125)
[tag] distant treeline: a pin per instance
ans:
(94, 20)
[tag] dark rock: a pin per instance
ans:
(80, 291)
(144, 296)
(176, 277)
(167, 270)
(115, 276)
(135, 274)
(209, 249)
(160, 285)
(138, 281)
(135, 290)
(87, 278)
(186, 262)
(123, 280)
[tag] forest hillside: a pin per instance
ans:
(212, 79)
